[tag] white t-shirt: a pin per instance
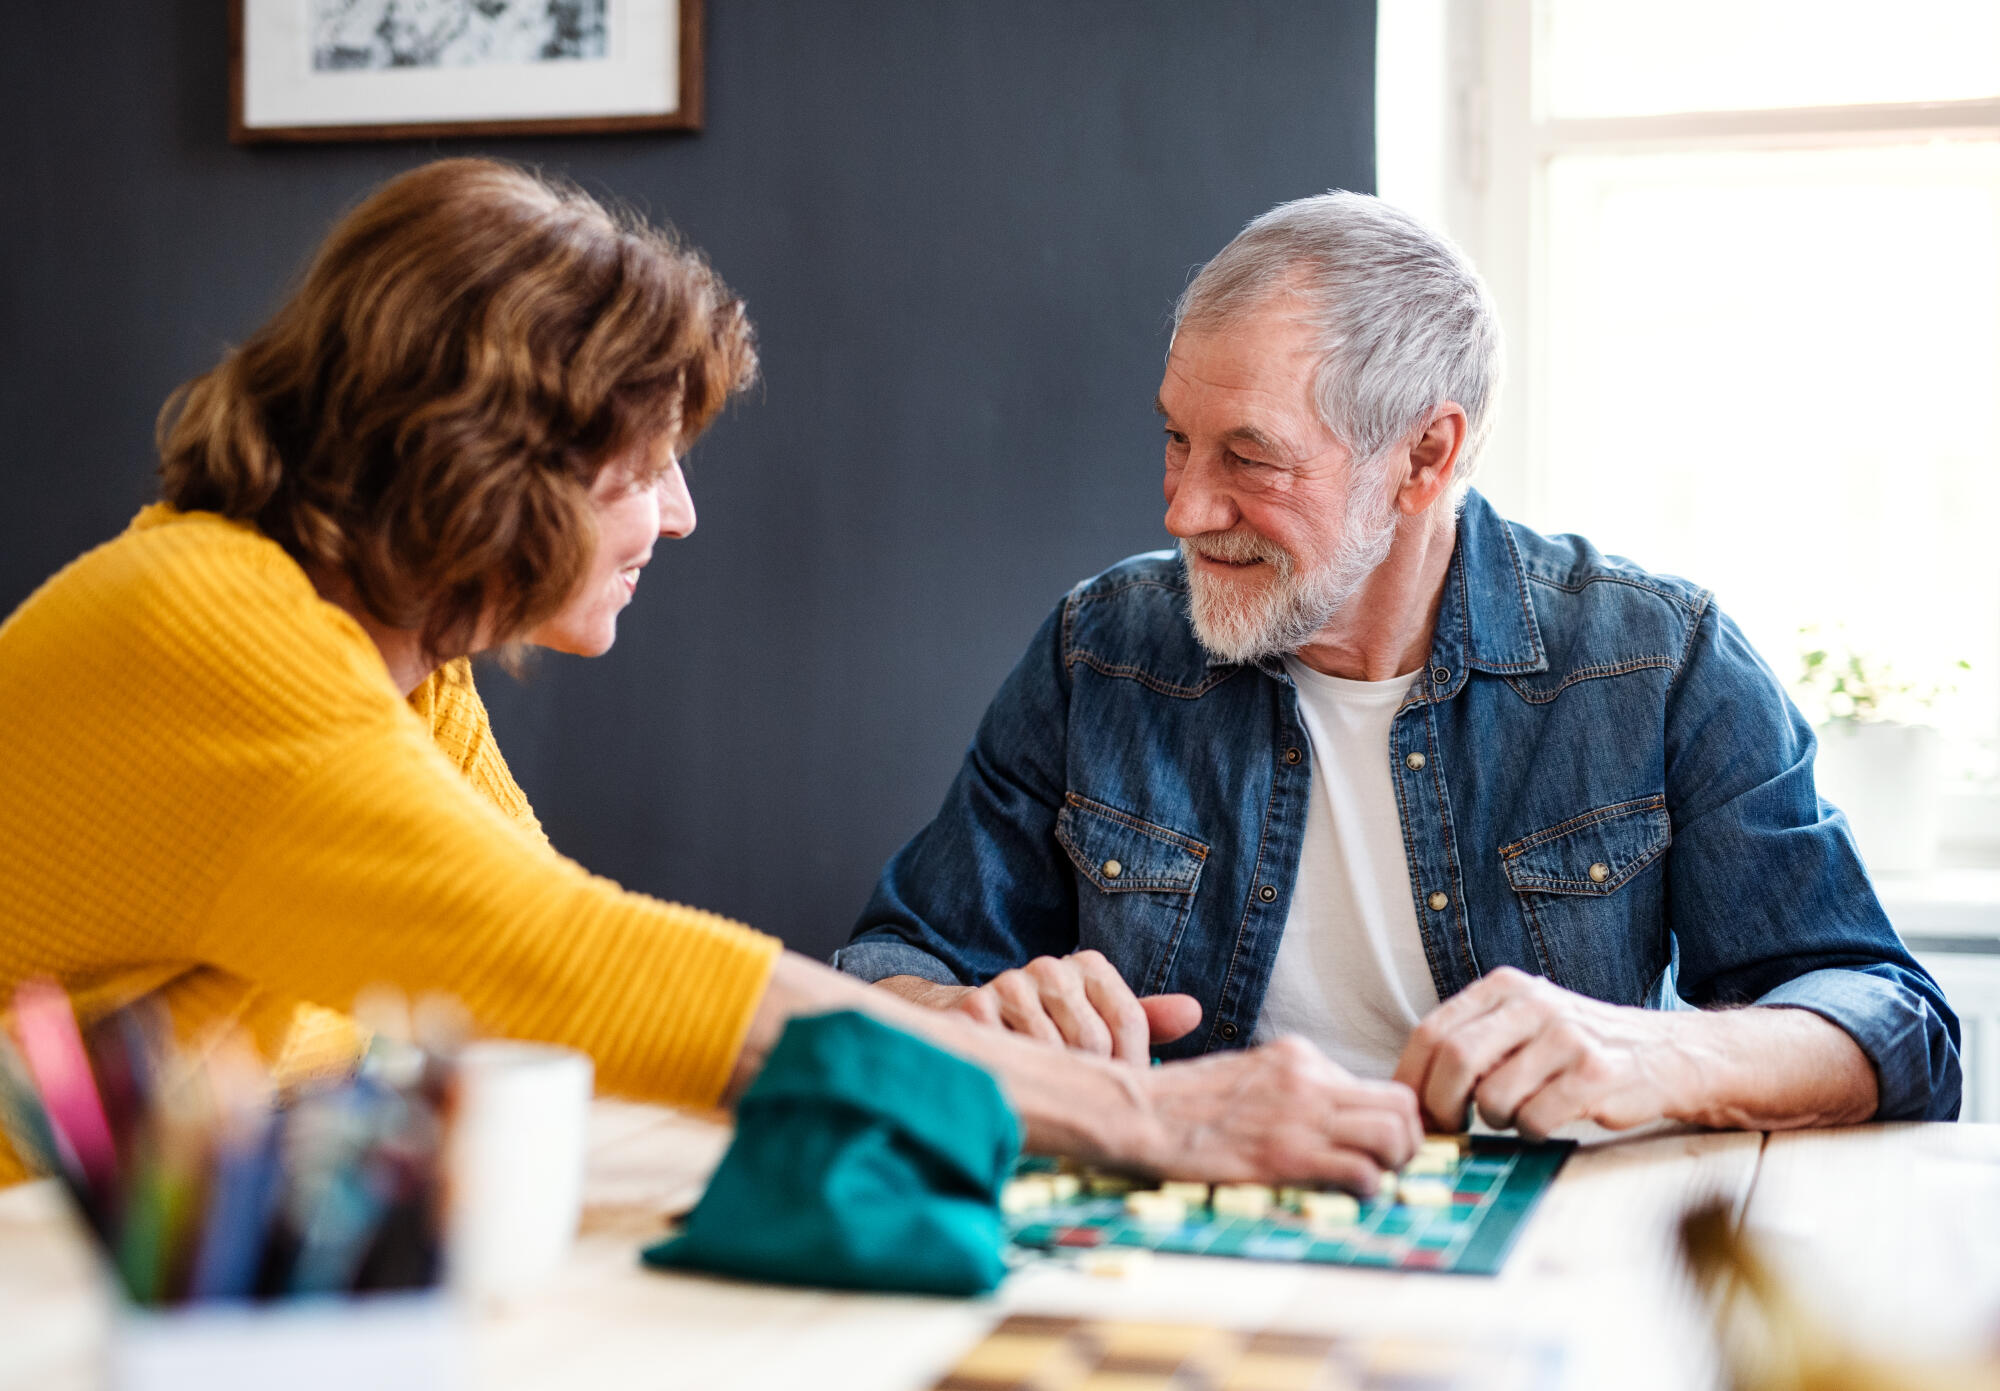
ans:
(1350, 973)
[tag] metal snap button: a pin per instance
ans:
(1440, 901)
(1413, 761)
(1227, 1030)
(1440, 675)
(1599, 873)
(1293, 756)
(1267, 893)
(1112, 869)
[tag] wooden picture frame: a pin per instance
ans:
(283, 90)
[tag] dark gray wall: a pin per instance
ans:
(959, 226)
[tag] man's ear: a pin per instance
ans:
(1434, 459)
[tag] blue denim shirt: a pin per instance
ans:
(1599, 782)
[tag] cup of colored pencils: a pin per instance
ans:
(232, 1213)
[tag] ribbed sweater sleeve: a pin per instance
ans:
(384, 864)
(209, 786)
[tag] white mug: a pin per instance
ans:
(517, 1168)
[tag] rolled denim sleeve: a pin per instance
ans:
(1898, 1025)
(1769, 901)
(880, 954)
(982, 888)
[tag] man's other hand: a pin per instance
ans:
(1282, 1113)
(1533, 1057)
(1079, 1001)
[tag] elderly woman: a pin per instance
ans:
(243, 762)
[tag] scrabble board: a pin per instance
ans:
(1034, 1353)
(1461, 1215)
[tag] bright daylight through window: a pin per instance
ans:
(1748, 255)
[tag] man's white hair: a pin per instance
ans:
(1401, 320)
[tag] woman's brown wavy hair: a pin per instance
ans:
(428, 411)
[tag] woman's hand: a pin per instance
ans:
(1079, 1001)
(1282, 1113)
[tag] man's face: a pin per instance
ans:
(1277, 530)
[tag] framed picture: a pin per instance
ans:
(404, 69)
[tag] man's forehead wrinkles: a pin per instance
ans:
(1230, 397)
(1250, 434)
(1260, 436)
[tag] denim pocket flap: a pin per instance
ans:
(1120, 853)
(1594, 853)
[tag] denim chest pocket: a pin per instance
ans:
(1136, 887)
(1595, 913)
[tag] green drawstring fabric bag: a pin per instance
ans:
(864, 1159)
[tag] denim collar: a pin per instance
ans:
(1486, 619)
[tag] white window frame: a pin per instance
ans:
(1465, 142)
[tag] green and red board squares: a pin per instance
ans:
(1493, 1187)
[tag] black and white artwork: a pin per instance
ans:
(361, 35)
(418, 69)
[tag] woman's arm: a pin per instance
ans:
(383, 865)
(1282, 1113)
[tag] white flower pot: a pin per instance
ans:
(1885, 777)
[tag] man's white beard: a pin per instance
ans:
(1241, 623)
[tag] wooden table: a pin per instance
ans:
(1897, 1226)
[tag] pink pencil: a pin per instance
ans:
(53, 1048)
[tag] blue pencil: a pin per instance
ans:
(243, 1198)
(22, 1116)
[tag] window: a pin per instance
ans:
(1747, 253)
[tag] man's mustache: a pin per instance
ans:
(1238, 548)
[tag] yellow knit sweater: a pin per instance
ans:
(210, 786)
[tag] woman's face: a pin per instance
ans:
(631, 516)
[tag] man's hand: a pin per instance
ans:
(1282, 1113)
(1079, 1001)
(1534, 1057)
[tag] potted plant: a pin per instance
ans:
(1879, 754)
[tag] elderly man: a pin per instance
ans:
(1468, 807)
